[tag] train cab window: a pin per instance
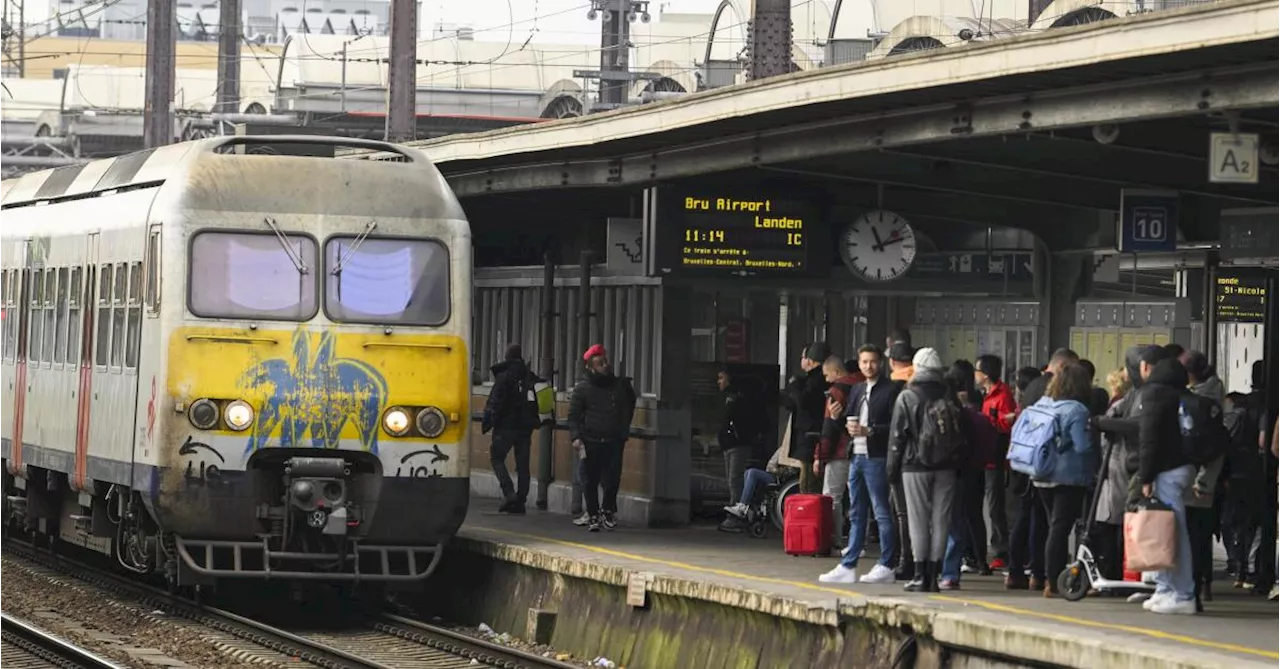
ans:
(253, 275)
(133, 339)
(60, 318)
(102, 344)
(36, 317)
(371, 280)
(75, 322)
(120, 288)
(153, 272)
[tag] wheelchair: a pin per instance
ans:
(767, 509)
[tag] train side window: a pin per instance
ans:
(133, 340)
(120, 280)
(37, 321)
(75, 321)
(50, 327)
(153, 272)
(103, 341)
(60, 318)
(5, 315)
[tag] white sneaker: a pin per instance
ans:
(878, 574)
(739, 510)
(841, 574)
(966, 568)
(582, 520)
(1156, 600)
(1138, 597)
(844, 550)
(1171, 606)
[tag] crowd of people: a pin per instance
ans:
(921, 447)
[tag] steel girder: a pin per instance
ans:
(1134, 100)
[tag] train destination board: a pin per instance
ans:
(709, 234)
(1240, 296)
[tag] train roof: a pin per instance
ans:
(151, 167)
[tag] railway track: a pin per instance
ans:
(381, 641)
(25, 646)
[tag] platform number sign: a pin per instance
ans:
(1233, 158)
(1148, 221)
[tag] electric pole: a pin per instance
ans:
(769, 39)
(402, 89)
(229, 38)
(615, 47)
(157, 115)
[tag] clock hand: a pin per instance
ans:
(879, 245)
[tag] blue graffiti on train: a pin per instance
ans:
(311, 397)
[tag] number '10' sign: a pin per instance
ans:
(1148, 221)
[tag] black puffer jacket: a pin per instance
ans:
(1156, 407)
(805, 398)
(601, 408)
(508, 406)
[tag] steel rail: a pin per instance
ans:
(48, 647)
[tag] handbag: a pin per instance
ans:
(1150, 536)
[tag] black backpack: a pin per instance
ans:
(1204, 436)
(942, 441)
(1244, 461)
(526, 404)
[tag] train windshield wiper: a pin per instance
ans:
(288, 249)
(355, 246)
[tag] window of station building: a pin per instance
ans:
(133, 341)
(75, 322)
(102, 344)
(118, 315)
(387, 281)
(253, 275)
(60, 320)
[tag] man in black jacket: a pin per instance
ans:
(805, 397)
(868, 414)
(600, 412)
(1164, 471)
(512, 418)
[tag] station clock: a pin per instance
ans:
(878, 246)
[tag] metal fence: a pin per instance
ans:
(625, 318)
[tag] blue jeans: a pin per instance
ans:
(869, 473)
(958, 538)
(1179, 581)
(752, 479)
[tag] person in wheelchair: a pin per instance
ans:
(755, 500)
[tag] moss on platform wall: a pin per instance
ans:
(671, 632)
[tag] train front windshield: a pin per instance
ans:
(279, 276)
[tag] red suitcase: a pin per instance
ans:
(806, 525)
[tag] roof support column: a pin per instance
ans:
(670, 457)
(769, 39)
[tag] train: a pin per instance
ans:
(243, 357)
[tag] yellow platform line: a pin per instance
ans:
(1003, 608)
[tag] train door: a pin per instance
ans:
(37, 366)
(83, 313)
(16, 381)
(115, 355)
(149, 364)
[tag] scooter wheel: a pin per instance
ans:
(758, 530)
(1073, 583)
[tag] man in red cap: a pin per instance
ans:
(600, 412)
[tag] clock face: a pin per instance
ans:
(879, 246)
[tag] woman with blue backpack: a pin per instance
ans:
(1052, 442)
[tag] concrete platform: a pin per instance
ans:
(1237, 630)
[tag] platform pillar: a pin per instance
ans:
(671, 457)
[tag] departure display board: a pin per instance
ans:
(704, 233)
(1240, 296)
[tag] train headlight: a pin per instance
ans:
(431, 422)
(239, 415)
(203, 414)
(396, 421)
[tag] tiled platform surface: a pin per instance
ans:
(1237, 630)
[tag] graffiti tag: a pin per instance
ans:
(202, 471)
(151, 411)
(419, 468)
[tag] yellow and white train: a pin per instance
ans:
(240, 357)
